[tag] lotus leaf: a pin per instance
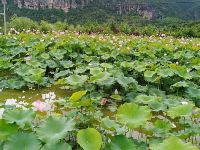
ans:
(77, 96)
(89, 139)
(144, 99)
(109, 124)
(161, 127)
(61, 74)
(133, 115)
(173, 143)
(120, 142)
(194, 93)
(100, 77)
(15, 83)
(116, 97)
(6, 130)
(22, 141)
(67, 64)
(55, 129)
(180, 111)
(20, 117)
(180, 84)
(165, 72)
(149, 74)
(76, 80)
(58, 54)
(57, 146)
(125, 81)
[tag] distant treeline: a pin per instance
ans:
(167, 26)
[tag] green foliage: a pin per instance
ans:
(22, 23)
(21, 118)
(117, 86)
(22, 141)
(55, 129)
(133, 115)
(173, 143)
(121, 142)
(58, 146)
(89, 139)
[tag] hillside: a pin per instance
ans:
(83, 11)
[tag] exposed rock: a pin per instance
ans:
(120, 7)
(50, 4)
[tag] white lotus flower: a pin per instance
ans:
(1, 112)
(184, 103)
(12, 102)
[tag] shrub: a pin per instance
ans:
(22, 23)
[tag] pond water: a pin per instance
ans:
(30, 95)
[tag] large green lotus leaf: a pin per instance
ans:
(20, 117)
(67, 64)
(6, 129)
(58, 53)
(144, 99)
(76, 80)
(157, 106)
(57, 146)
(80, 70)
(22, 70)
(45, 56)
(161, 127)
(15, 83)
(109, 124)
(95, 70)
(62, 74)
(116, 97)
(125, 81)
(3, 84)
(34, 63)
(180, 71)
(77, 96)
(149, 74)
(133, 115)
(106, 65)
(37, 71)
(140, 66)
(17, 50)
(22, 141)
(51, 64)
(194, 93)
(180, 84)
(173, 143)
(55, 129)
(1, 145)
(126, 64)
(89, 139)
(100, 77)
(120, 142)
(165, 72)
(4, 64)
(180, 111)
(83, 103)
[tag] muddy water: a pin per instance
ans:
(30, 95)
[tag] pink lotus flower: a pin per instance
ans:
(41, 106)
(104, 101)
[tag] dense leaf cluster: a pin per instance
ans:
(129, 92)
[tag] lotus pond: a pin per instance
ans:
(99, 92)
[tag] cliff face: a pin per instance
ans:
(120, 7)
(49, 4)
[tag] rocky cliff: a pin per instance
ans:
(120, 7)
(49, 4)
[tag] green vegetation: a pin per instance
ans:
(127, 92)
(169, 26)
